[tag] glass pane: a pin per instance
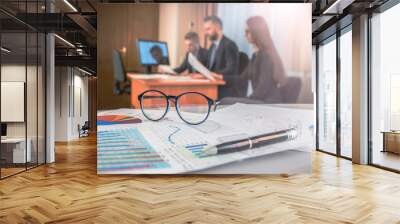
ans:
(31, 97)
(32, 88)
(327, 96)
(346, 94)
(154, 105)
(41, 98)
(193, 102)
(13, 86)
(386, 89)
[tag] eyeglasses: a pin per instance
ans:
(192, 107)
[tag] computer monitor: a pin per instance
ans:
(152, 53)
(3, 130)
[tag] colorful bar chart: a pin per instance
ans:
(126, 149)
(196, 149)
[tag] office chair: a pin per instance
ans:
(243, 63)
(84, 130)
(291, 90)
(121, 84)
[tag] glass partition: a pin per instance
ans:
(41, 96)
(32, 96)
(22, 88)
(327, 96)
(385, 89)
(15, 150)
(346, 93)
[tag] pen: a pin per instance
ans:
(252, 142)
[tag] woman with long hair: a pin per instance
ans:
(265, 69)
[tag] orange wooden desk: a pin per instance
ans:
(172, 87)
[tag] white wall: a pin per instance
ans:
(14, 73)
(13, 101)
(17, 73)
(71, 102)
(80, 109)
(62, 81)
(168, 29)
(34, 125)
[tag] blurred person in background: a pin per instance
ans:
(265, 71)
(192, 44)
(223, 55)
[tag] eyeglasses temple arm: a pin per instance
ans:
(216, 105)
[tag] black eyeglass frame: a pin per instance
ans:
(175, 99)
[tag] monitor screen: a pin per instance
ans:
(3, 129)
(153, 52)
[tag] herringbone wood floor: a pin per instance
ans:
(69, 191)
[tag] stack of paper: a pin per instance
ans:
(172, 146)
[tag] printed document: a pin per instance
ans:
(172, 146)
(168, 69)
(200, 67)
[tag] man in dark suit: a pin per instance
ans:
(223, 55)
(192, 43)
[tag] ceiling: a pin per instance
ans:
(75, 22)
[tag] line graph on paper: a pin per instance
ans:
(192, 138)
(175, 134)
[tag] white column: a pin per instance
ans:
(50, 92)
